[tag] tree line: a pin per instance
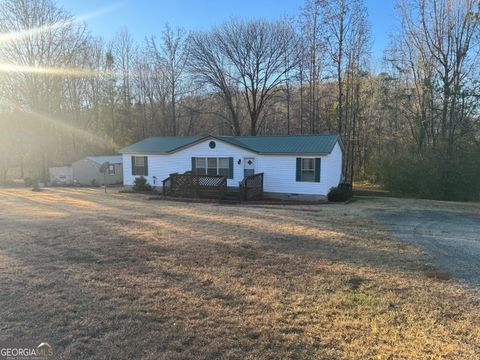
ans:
(66, 93)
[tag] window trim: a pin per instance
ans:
(314, 172)
(111, 169)
(209, 168)
(304, 170)
(135, 167)
(218, 167)
(203, 168)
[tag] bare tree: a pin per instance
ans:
(346, 32)
(291, 72)
(45, 38)
(120, 66)
(256, 50)
(209, 64)
(314, 49)
(172, 55)
(440, 53)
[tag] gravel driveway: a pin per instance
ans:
(452, 238)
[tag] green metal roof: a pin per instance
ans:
(287, 144)
(160, 145)
(282, 144)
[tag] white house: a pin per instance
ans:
(293, 166)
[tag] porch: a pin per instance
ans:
(213, 186)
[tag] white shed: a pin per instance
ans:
(87, 171)
(61, 175)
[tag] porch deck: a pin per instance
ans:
(213, 186)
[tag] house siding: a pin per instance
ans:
(280, 173)
(279, 170)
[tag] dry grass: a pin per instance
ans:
(117, 276)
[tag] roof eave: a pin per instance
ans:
(340, 143)
(144, 153)
(179, 148)
(208, 137)
(296, 153)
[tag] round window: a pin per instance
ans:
(212, 144)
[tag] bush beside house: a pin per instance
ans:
(341, 193)
(141, 184)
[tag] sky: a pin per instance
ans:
(145, 18)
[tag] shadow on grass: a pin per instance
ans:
(188, 281)
(88, 292)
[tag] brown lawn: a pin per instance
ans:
(116, 276)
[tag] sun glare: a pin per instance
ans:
(17, 35)
(64, 126)
(57, 71)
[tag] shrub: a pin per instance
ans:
(341, 193)
(141, 184)
(28, 181)
(36, 185)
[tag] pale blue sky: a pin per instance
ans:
(146, 18)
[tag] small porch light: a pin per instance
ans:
(239, 161)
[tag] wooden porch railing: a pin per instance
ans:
(251, 187)
(189, 185)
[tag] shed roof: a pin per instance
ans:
(112, 159)
(282, 144)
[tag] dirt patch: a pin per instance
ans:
(439, 275)
(116, 274)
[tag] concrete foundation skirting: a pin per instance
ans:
(287, 196)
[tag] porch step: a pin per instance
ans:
(230, 198)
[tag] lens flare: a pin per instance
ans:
(17, 35)
(67, 127)
(58, 71)
(62, 125)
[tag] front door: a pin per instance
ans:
(248, 166)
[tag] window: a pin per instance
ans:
(139, 166)
(213, 166)
(308, 170)
(200, 166)
(223, 167)
(111, 169)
